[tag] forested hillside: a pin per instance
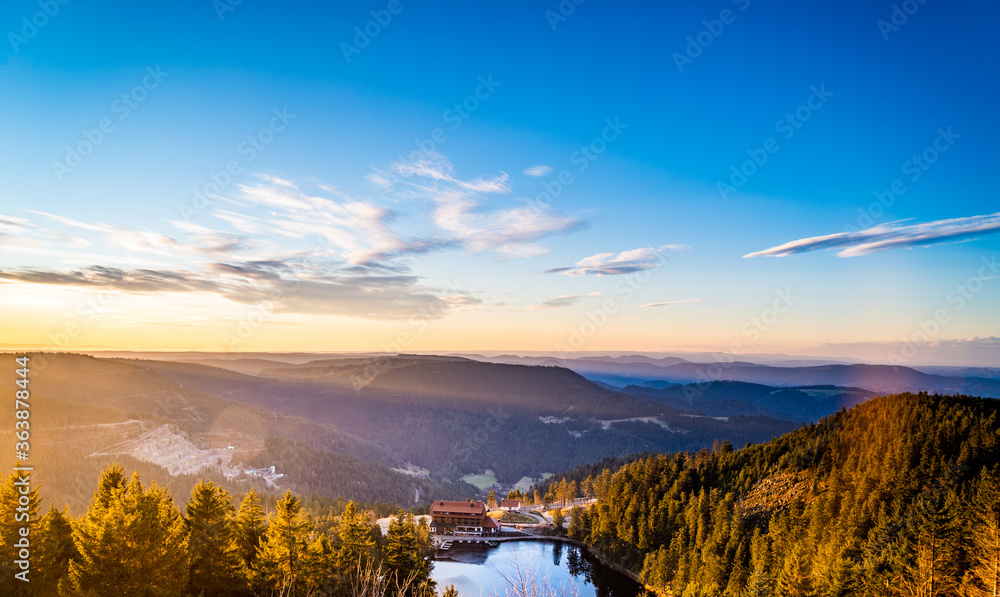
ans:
(898, 496)
(87, 413)
(134, 540)
(728, 398)
(516, 420)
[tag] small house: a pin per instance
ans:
(510, 505)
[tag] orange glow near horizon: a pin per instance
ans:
(39, 317)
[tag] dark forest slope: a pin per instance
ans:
(897, 496)
(456, 416)
(87, 413)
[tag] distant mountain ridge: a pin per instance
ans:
(886, 379)
(455, 416)
(89, 412)
(877, 378)
(340, 425)
(726, 398)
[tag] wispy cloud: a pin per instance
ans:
(215, 243)
(613, 264)
(20, 234)
(563, 301)
(11, 225)
(309, 254)
(461, 216)
(540, 170)
(372, 297)
(310, 249)
(359, 229)
(889, 236)
(142, 241)
(661, 304)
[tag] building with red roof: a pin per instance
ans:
(508, 505)
(461, 518)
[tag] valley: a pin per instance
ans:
(343, 427)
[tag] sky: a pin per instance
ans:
(739, 175)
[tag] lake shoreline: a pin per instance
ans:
(598, 565)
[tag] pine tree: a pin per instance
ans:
(401, 553)
(562, 491)
(17, 513)
(795, 578)
(450, 592)
(425, 542)
(929, 570)
(576, 523)
(739, 572)
(656, 570)
(215, 562)
(283, 559)
(841, 578)
(251, 528)
(758, 584)
(53, 551)
(131, 542)
(491, 500)
(357, 546)
(320, 570)
(558, 519)
(984, 575)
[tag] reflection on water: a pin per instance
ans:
(479, 571)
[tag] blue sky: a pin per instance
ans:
(458, 231)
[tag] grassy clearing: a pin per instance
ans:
(482, 481)
(517, 518)
(526, 482)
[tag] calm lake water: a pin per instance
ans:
(478, 571)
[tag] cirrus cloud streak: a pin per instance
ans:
(889, 236)
(616, 264)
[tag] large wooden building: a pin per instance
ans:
(462, 518)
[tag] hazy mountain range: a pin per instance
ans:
(410, 427)
(640, 369)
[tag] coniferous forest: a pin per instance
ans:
(134, 541)
(898, 496)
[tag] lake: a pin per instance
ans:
(479, 571)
